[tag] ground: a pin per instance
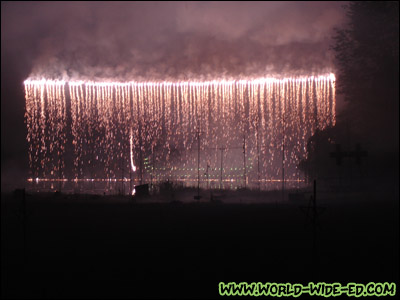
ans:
(85, 246)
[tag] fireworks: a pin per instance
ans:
(104, 130)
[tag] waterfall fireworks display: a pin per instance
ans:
(229, 133)
(196, 149)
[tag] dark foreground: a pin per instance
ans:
(97, 247)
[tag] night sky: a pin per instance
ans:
(153, 41)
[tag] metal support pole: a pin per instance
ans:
(222, 166)
(244, 159)
(198, 165)
(315, 220)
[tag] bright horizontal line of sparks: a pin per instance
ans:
(330, 77)
(127, 180)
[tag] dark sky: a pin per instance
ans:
(153, 41)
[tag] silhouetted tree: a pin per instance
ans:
(367, 60)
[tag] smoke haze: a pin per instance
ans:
(163, 41)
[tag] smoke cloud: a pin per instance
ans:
(170, 41)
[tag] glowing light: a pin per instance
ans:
(115, 126)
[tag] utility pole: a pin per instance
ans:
(208, 180)
(123, 182)
(312, 213)
(244, 159)
(59, 176)
(130, 179)
(140, 155)
(283, 156)
(314, 220)
(283, 169)
(24, 226)
(198, 165)
(152, 166)
(140, 146)
(221, 149)
(258, 162)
